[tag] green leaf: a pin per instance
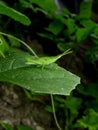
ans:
(13, 42)
(91, 56)
(55, 27)
(22, 127)
(71, 26)
(25, 4)
(47, 5)
(85, 10)
(52, 79)
(12, 13)
(90, 90)
(81, 34)
(90, 120)
(45, 35)
(4, 47)
(66, 12)
(65, 45)
(73, 104)
(89, 24)
(6, 126)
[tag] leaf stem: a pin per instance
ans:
(54, 113)
(25, 44)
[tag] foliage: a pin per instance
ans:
(10, 12)
(41, 75)
(4, 47)
(6, 126)
(68, 30)
(71, 106)
(89, 120)
(14, 65)
(42, 80)
(47, 5)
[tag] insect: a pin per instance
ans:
(46, 60)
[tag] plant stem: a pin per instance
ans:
(25, 44)
(54, 114)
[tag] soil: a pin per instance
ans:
(16, 109)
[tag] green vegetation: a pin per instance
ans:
(72, 38)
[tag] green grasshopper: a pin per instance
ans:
(46, 60)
